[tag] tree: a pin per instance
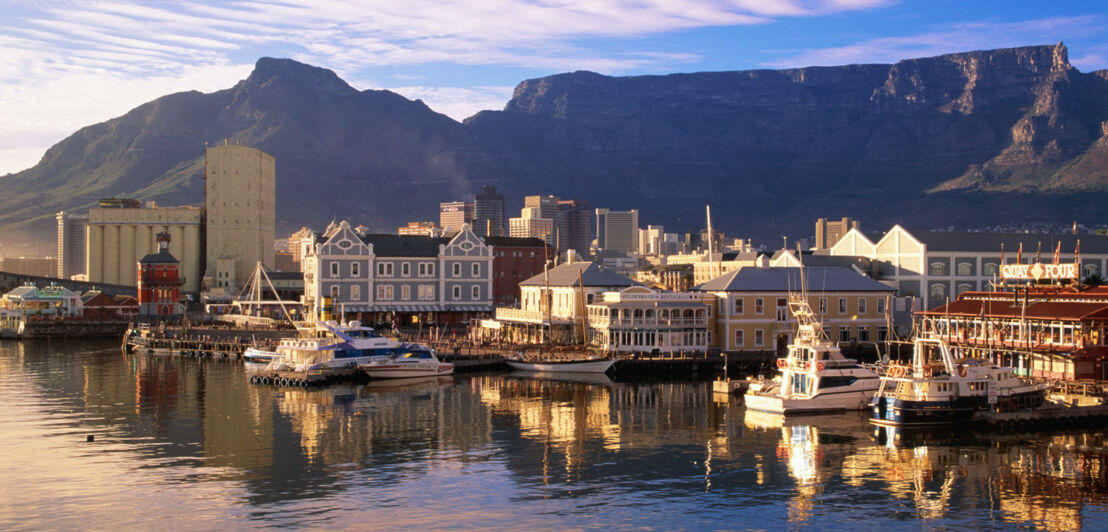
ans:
(1094, 279)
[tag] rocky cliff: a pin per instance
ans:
(963, 139)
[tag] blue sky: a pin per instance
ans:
(68, 64)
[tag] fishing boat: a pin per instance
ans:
(815, 376)
(413, 360)
(937, 389)
(591, 364)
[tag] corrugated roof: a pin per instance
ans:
(1054, 310)
(819, 279)
(385, 245)
(590, 273)
(990, 242)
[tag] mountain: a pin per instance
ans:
(963, 139)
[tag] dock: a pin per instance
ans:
(1067, 412)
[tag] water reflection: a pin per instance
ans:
(192, 439)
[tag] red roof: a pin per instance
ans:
(1056, 310)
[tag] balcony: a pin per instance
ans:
(527, 316)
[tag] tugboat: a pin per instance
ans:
(937, 390)
(815, 376)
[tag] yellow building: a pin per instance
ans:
(752, 311)
(240, 197)
(121, 232)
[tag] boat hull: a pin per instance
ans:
(406, 371)
(894, 412)
(584, 366)
(823, 402)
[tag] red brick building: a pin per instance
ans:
(515, 260)
(159, 283)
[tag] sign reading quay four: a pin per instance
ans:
(1039, 271)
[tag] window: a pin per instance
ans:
(426, 269)
(965, 268)
(844, 334)
(842, 305)
(938, 292)
(475, 270)
(1090, 269)
(882, 334)
(759, 306)
(823, 305)
(738, 306)
(782, 310)
(739, 340)
(384, 269)
(861, 305)
(355, 269)
(405, 269)
(964, 287)
(863, 334)
(938, 268)
(334, 269)
(384, 292)
(989, 268)
(759, 338)
(405, 292)
(457, 292)
(426, 292)
(457, 270)
(335, 291)
(880, 305)
(476, 293)
(355, 293)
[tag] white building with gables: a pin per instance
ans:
(398, 279)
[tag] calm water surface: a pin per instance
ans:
(187, 444)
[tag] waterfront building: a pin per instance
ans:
(531, 225)
(33, 266)
(159, 283)
(553, 304)
(617, 230)
(829, 233)
(72, 230)
(574, 224)
(488, 212)
(399, 279)
(121, 231)
(1046, 332)
(935, 266)
(515, 260)
(640, 320)
(97, 305)
(453, 215)
(752, 310)
(49, 300)
(240, 194)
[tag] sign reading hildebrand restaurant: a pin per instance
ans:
(1052, 272)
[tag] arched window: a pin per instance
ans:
(938, 293)
(964, 287)
(990, 268)
(1090, 269)
(965, 268)
(938, 268)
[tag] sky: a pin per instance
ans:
(67, 64)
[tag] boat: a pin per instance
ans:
(327, 345)
(815, 376)
(413, 360)
(545, 365)
(935, 389)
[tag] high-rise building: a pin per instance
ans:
(488, 212)
(574, 226)
(122, 231)
(455, 214)
(240, 196)
(419, 229)
(531, 225)
(547, 205)
(829, 233)
(72, 229)
(294, 243)
(617, 230)
(650, 240)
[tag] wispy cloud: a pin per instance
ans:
(458, 103)
(955, 38)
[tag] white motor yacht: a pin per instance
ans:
(413, 361)
(328, 345)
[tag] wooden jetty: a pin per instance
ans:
(200, 342)
(1064, 412)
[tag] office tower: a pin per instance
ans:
(531, 225)
(617, 230)
(547, 205)
(574, 226)
(829, 233)
(488, 213)
(72, 229)
(454, 214)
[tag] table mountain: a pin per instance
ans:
(962, 139)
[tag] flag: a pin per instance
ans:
(1057, 251)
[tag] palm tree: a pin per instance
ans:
(1094, 279)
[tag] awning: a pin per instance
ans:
(412, 308)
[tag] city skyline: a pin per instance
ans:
(71, 65)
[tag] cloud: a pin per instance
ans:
(458, 103)
(955, 38)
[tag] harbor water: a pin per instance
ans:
(189, 444)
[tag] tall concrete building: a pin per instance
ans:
(829, 233)
(574, 226)
(240, 195)
(72, 230)
(531, 225)
(122, 231)
(453, 215)
(547, 205)
(488, 213)
(650, 240)
(617, 230)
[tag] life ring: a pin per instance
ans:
(819, 366)
(961, 371)
(781, 362)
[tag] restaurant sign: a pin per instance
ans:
(1038, 271)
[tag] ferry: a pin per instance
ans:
(935, 389)
(815, 376)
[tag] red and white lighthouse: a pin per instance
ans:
(159, 283)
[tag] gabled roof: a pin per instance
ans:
(990, 242)
(576, 273)
(818, 279)
(385, 245)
